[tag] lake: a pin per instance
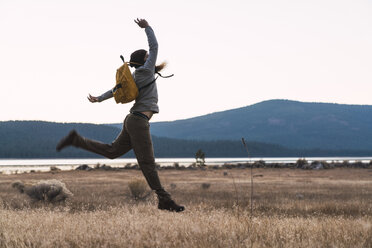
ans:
(10, 166)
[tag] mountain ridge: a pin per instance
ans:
(285, 122)
(272, 128)
(38, 139)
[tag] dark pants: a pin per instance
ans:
(134, 135)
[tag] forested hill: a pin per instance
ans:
(288, 123)
(37, 139)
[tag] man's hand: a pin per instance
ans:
(93, 98)
(142, 23)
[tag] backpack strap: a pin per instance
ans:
(164, 76)
(153, 81)
(118, 86)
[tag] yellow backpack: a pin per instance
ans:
(125, 89)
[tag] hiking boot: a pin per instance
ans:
(170, 205)
(67, 141)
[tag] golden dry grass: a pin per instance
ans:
(292, 208)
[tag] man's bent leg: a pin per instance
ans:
(139, 132)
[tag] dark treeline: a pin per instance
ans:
(36, 139)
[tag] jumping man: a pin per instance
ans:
(136, 129)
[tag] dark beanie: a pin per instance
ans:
(138, 57)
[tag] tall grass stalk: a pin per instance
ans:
(251, 195)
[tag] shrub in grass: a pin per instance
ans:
(259, 164)
(54, 169)
(200, 158)
(345, 163)
(46, 190)
(359, 164)
(138, 189)
(205, 185)
(301, 163)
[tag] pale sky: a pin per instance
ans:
(224, 54)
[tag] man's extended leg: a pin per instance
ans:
(118, 147)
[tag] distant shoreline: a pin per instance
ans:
(15, 166)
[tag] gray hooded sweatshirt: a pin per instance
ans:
(147, 99)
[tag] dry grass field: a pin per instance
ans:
(291, 208)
